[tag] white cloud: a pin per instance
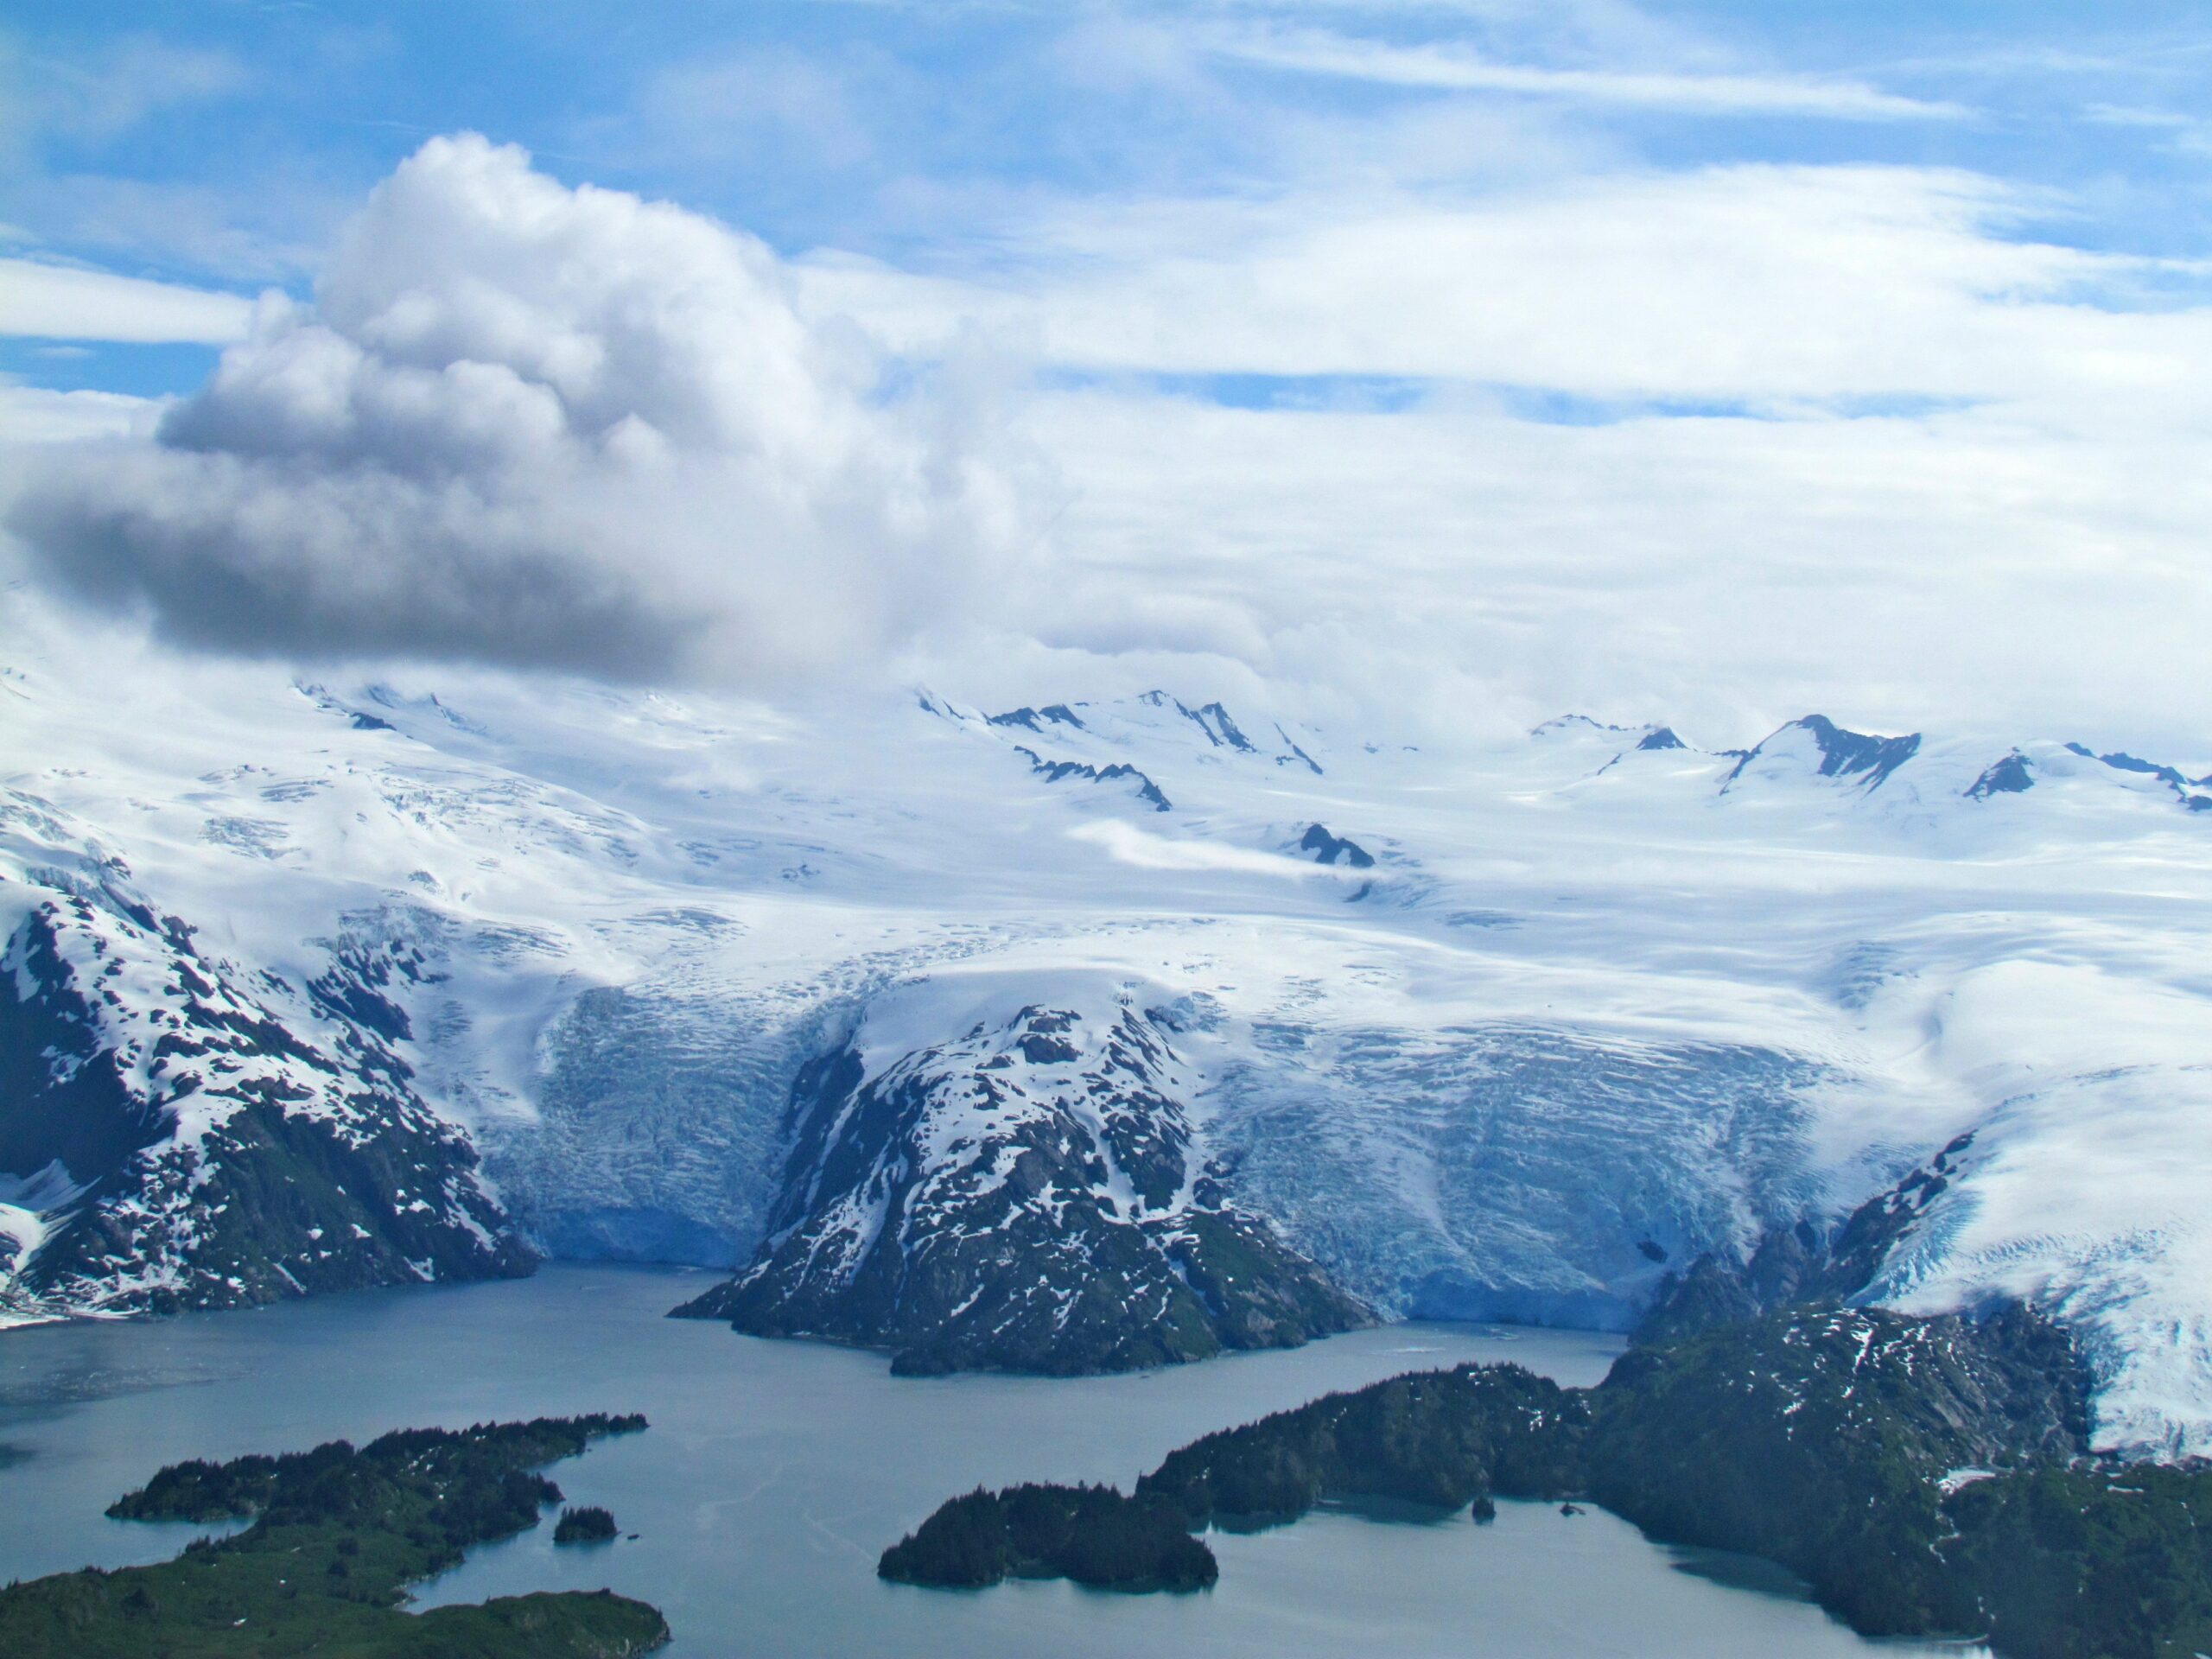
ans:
(35, 415)
(530, 424)
(1443, 68)
(50, 302)
(1753, 283)
(1125, 843)
(1715, 443)
(1454, 573)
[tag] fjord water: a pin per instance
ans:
(775, 1473)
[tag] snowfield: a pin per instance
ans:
(1583, 1008)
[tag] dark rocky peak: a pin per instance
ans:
(1661, 737)
(1036, 720)
(1054, 771)
(1222, 732)
(2119, 760)
(1847, 754)
(2013, 775)
(1329, 848)
(1843, 753)
(1218, 726)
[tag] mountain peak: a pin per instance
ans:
(1843, 753)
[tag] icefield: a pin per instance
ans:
(1512, 1032)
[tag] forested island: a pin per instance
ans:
(338, 1533)
(1925, 1477)
(585, 1526)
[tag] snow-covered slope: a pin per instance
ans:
(1601, 1002)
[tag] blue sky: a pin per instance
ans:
(1771, 263)
(220, 144)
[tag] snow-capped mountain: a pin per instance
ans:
(1599, 1005)
(1032, 1193)
(177, 1131)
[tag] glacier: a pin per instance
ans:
(1601, 1005)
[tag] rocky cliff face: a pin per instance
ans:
(177, 1132)
(1031, 1196)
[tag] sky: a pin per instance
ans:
(1440, 365)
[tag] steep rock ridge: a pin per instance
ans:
(175, 1132)
(1213, 720)
(1092, 740)
(1157, 726)
(1035, 720)
(1830, 752)
(1029, 1196)
(1292, 755)
(2170, 776)
(1054, 771)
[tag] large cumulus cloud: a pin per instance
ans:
(529, 424)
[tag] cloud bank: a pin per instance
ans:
(1423, 372)
(531, 425)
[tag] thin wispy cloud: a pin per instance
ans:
(1455, 68)
(106, 97)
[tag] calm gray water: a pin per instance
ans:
(774, 1473)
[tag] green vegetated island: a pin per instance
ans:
(338, 1533)
(1925, 1477)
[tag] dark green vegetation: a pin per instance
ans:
(1090, 1534)
(1925, 1477)
(585, 1526)
(338, 1533)
(1442, 1439)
